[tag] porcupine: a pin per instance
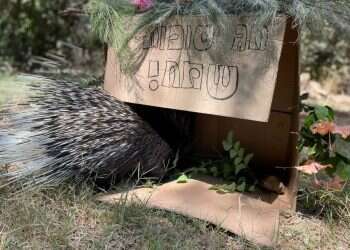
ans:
(66, 132)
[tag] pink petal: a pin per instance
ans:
(143, 5)
(344, 131)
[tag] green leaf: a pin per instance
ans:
(224, 189)
(227, 146)
(248, 158)
(237, 146)
(331, 113)
(233, 154)
(343, 170)
(182, 179)
(214, 171)
(309, 121)
(219, 189)
(342, 147)
(241, 187)
(230, 136)
(252, 188)
(237, 161)
(228, 142)
(228, 170)
(239, 168)
(241, 153)
(324, 113)
(232, 187)
(311, 150)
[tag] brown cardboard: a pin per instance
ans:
(273, 143)
(256, 220)
(184, 70)
(268, 141)
(287, 88)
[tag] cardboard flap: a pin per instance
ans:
(238, 213)
(189, 64)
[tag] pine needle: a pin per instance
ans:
(117, 23)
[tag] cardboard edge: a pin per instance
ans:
(248, 217)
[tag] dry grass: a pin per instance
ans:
(322, 220)
(70, 218)
(67, 218)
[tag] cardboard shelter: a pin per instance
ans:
(224, 73)
(272, 138)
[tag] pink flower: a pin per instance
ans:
(143, 5)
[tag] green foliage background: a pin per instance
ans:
(33, 27)
(325, 52)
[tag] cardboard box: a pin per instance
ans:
(191, 65)
(273, 142)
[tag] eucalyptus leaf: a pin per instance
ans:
(227, 170)
(248, 158)
(227, 146)
(232, 186)
(241, 187)
(252, 188)
(237, 161)
(230, 167)
(233, 153)
(230, 137)
(237, 146)
(241, 153)
(219, 189)
(239, 168)
(228, 142)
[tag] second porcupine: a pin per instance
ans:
(65, 132)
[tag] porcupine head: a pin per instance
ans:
(60, 131)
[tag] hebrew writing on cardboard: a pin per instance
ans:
(188, 64)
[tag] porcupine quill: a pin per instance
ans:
(65, 132)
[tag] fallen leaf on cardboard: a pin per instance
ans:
(312, 167)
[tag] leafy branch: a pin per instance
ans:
(233, 168)
(323, 144)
